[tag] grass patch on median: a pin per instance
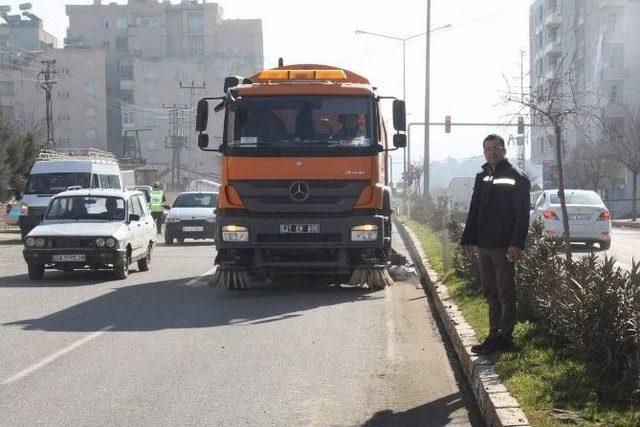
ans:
(541, 373)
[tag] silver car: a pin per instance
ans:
(192, 216)
(589, 218)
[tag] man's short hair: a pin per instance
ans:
(495, 137)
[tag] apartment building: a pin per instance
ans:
(153, 47)
(598, 41)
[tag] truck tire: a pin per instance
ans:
(36, 271)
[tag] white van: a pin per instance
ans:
(54, 172)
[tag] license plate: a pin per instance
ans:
(299, 228)
(192, 229)
(69, 258)
(579, 217)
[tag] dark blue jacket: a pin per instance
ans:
(499, 211)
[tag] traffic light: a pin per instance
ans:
(520, 125)
(447, 124)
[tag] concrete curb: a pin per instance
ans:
(496, 404)
(625, 224)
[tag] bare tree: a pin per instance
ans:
(589, 166)
(555, 105)
(623, 145)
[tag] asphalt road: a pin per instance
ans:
(625, 246)
(163, 348)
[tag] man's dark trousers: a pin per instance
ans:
(497, 275)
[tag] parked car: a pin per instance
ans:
(145, 189)
(192, 216)
(589, 218)
(93, 229)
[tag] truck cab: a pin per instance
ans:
(304, 173)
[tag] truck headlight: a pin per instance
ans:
(39, 242)
(235, 233)
(24, 209)
(100, 242)
(172, 219)
(111, 242)
(30, 242)
(364, 233)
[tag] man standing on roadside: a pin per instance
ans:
(497, 226)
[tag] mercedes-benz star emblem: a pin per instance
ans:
(299, 191)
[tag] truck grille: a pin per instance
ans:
(323, 195)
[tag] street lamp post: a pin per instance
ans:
(404, 41)
(426, 171)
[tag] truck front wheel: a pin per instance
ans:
(36, 271)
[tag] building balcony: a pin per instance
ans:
(126, 84)
(615, 110)
(553, 48)
(615, 73)
(554, 19)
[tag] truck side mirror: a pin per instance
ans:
(203, 141)
(202, 116)
(399, 115)
(399, 140)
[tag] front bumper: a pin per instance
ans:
(176, 229)
(330, 248)
(599, 231)
(93, 257)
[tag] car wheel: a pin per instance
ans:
(36, 271)
(605, 245)
(121, 267)
(168, 238)
(181, 240)
(143, 264)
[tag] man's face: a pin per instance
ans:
(494, 152)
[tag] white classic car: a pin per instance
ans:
(93, 229)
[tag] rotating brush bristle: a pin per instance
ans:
(232, 277)
(375, 276)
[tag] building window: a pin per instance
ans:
(127, 119)
(91, 134)
(64, 94)
(90, 112)
(7, 89)
(614, 95)
(122, 44)
(64, 118)
(616, 55)
(64, 141)
(104, 24)
(89, 88)
(126, 95)
(150, 74)
(121, 23)
(194, 22)
(152, 97)
(106, 45)
(63, 71)
(196, 46)
(126, 71)
(181, 97)
(151, 122)
(147, 21)
(611, 22)
(181, 74)
(88, 64)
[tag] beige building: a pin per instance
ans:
(153, 47)
(78, 96)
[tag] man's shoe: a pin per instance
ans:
(479, 348)
(503, 343)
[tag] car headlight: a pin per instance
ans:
(30, 242)
(100, 242)
(235, 233)
(24, 209)
(172, 219)
(111, 242)
(364, 233)
(39, 242)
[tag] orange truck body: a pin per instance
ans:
(347, 187)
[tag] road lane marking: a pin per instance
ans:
(33, 368)
(197, 279)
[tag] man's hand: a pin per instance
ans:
(513, 253)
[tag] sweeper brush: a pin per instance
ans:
(376, 277)
(232, 277)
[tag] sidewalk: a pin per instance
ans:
(625, 223)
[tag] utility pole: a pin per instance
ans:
(176, 141)
(427, 101)
(131, 150)
(192, 100)
(45, 82)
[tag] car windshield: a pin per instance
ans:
(301, 121)
(202, 200)
(53, 183)
(87, 208)
(577, 198)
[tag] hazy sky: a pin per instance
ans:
(468, 60)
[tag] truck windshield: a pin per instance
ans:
(299, 121)
(203, 200)
(53, 183)
(87, 208)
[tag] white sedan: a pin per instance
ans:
(92, 228)
(589, 218)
